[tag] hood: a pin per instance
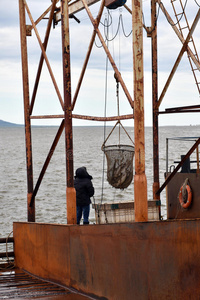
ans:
(82, 173)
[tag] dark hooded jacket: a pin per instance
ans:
(83, 186)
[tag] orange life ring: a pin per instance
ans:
(189, 197)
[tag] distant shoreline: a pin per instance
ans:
(9, 124)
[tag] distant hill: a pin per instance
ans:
(8, 124)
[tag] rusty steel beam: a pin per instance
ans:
(183, 108)
(197, 154)
(87, 55)
(70, 190)
(29, 163)
(42, 57)
(179, 111)
(156, 182)
(44, 14)
(181, 38)
(179, 165)
(118, 75)
(130, 11)
(45, 56)
(75, 7)
(90, 118)
(183, 49)
(140, 181)
(47, 161)
(125, 117)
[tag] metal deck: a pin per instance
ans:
(16, 284)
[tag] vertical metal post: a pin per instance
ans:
(167, 158)
(197, 152)
(156, 184)
(140, 181)
(70, 191)
(29, 165)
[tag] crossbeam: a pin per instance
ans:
(74, 8)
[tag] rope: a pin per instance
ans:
(117, 93)
(105, 109)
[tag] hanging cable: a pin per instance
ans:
(108, 22)
(126, 35)
(117, 94)
(117, 81)
(109, 15)
(174, 24)
(197, 3)
(105, 110)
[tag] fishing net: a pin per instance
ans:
(119, 165)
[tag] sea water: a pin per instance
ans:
(51, 197)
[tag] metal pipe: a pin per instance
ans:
(156, 183)
(197, 150)
(179, 111)
(70, 191)
(182, 108)
(167, 151)
(140, 181)
(29, 163)
(178, 167)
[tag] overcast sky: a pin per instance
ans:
(93, 93)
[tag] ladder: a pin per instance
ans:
(184, 29)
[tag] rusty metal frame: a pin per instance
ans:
(68, 104)
(194, 147)
(44, 54)
(156, 183)
(43, 46)
(183, 49)
(174, 27)
(29, 162)
(156, 102)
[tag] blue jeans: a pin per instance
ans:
(85, 210)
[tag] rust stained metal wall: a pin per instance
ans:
(154, 260)
(174, 209)
(43, 250)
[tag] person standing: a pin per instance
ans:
(84, 190)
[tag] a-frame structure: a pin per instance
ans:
(63, 10)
